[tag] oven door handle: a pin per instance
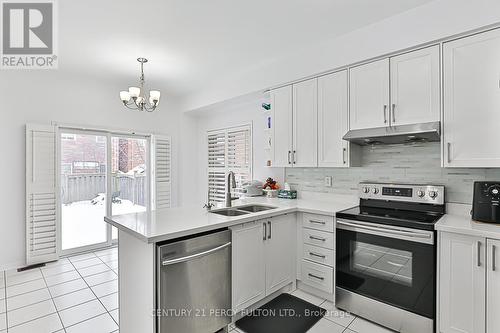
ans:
(387, 231)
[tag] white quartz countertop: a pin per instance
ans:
(463, 224)
(161, 225)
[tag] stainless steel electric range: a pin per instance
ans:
(386, 255)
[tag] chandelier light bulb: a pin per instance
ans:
(155, 95)
(139, 100)
(125, 96)
(134, 92)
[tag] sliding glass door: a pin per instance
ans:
(83, 190)
(129, 176)
(101, 174)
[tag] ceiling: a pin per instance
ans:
(192, 43)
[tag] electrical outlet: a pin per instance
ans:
(328, 181)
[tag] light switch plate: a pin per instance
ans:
(328, 181)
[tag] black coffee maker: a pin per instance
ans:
(486, 201)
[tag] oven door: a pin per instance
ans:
(389, 264)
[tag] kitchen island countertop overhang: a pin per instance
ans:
(167, 224)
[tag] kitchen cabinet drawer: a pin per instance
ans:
(318, 222)
(317, 276)
(318, 238)
(318, 254)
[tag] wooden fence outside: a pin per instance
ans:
(82, 187)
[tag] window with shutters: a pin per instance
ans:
(228, 150)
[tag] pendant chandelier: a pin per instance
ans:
(135, 99)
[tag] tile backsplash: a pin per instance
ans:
(410, 164)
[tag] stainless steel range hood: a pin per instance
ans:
(423, 132)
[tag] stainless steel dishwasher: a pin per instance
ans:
(194, 284)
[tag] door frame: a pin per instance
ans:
(108, 211)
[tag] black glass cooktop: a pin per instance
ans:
(397, 217)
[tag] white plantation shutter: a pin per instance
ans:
(161, 157)
(228, 150)
(41, 195)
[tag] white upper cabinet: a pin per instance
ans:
(369, 95)
(415, 92)
(305, 124)
(462, 286)
(493, 286)
(472, 101)
(282, 111)
(333, 122)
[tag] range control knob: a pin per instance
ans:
(375, 190)
(366, 189)
(420, 193)
(433, 194)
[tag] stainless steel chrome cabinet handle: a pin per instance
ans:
(317, 222)
(265, 231)
(385, 114)
(344, 150)
(393, 113)
(289, 159)
(294, 159)
(317, 238)
(270, 227)
(317, 255)
(194, 256)
(448, 147)
(478, 254)
(316, 277)
(493, 258)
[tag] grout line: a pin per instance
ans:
(25, 292)
(111, 294)
(80, 276)
(52, 298)
(54, 303)
(86, 320)
(106, 248)
(19, 283)
(5, 300)
(109, 314)
(74, 306)
(25, 306)
(34, 319)
(74, 291)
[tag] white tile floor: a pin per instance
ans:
(78, 294)
(335, 320)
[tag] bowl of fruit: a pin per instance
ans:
(271, 188)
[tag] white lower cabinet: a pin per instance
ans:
(316, 255)
(493, 287)
(278, 250)
(469, 284)
(263, 259)
(248, 271)
(317, 276)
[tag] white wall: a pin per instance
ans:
(432, 21)
(53, 95)
(236, 112)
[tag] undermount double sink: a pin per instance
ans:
(242, 210)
